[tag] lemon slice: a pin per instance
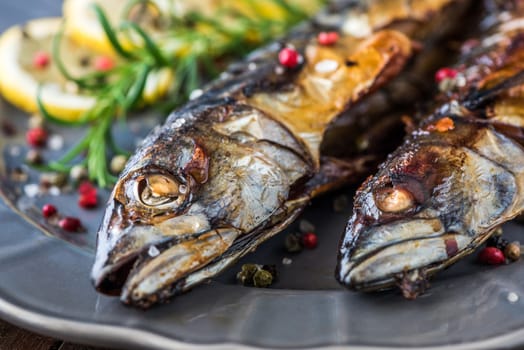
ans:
(26, 63)
(154, 16)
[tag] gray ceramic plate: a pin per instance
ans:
(44, 282)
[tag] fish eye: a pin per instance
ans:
(159, 190)
(394, 199)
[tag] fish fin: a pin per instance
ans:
(514, 132)
(480, 98)
(335, 172)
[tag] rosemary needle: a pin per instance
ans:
(190, 47)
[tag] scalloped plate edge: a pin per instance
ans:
(111, 335)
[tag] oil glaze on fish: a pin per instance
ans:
(456, 178)
(238, 164)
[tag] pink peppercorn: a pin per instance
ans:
(88, 201)
(327, 38)
(41, 60)
(36, 137)
(491, 256)
(288, 57)
(70, 224)
(49, 210)
(445, 73)
(310, 240)
(86, 187)
(103, 63)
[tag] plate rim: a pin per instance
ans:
(122, 336)
(125, 337)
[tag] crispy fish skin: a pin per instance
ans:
(230, 169)
(455, 179)
(221, 169)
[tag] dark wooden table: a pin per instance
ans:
(14, 338)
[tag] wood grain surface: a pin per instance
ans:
(14, 338)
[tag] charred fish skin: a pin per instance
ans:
(376, 125)
(217, 171)
(455, 179)
(419, 212)
(230, 169)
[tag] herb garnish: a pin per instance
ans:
(192, 47)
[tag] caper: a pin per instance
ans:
(245, 275)
(262, 279)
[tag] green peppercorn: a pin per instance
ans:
(512, 251)
(245, 275)
(262, 279)
(293, 243)
(53, 179)
(78, 173)
(117, 164)
(33, 157)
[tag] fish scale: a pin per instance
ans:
(242, 160)
(471, 173)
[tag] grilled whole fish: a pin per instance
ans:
(455, 179)
(238, 164)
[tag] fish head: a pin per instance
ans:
(187, 195)
(149, 211)
(432, 202)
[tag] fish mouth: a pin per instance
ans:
(159, 270)
(150, 263)
(379, 255)
(144, 263)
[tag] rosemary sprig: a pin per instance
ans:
(190, 48)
